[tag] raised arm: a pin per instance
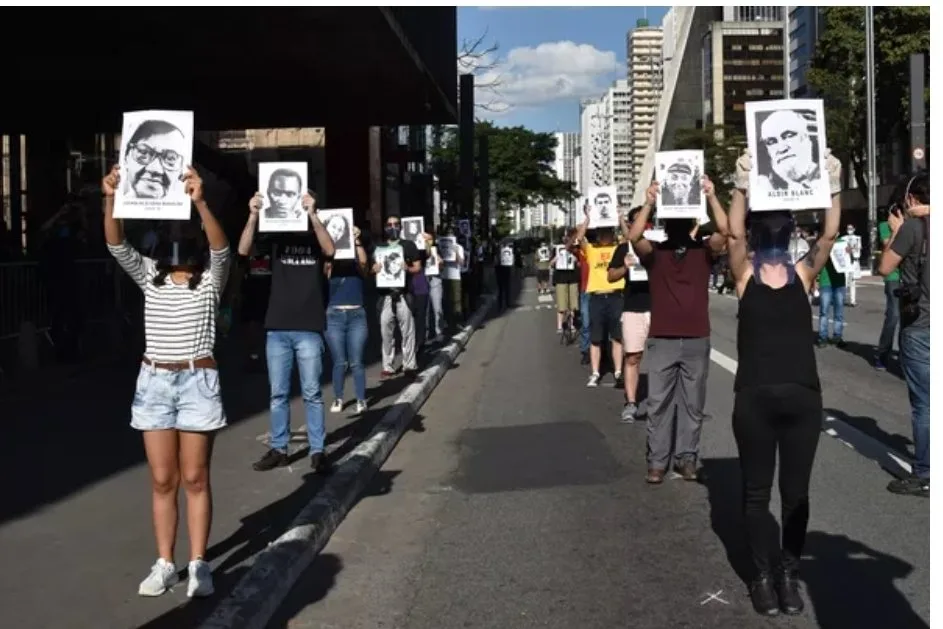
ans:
(820, 251)
(215, 236)
(737, 251)
(718, 240)
(127, 257)
(636, 234)
(581, 229)
(252, 223)
(324, 239)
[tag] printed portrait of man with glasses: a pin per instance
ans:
(154, 160)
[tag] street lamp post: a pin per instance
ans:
(872, 132)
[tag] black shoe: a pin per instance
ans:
(821, 343)
(839, 343)
(763, 595)
(584, 359)
(319, 463)
(910, 486)
(620, 382)
(270, 460)
(787, 589)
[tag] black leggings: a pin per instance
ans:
(787, 417)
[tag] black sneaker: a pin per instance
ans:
(763, 595)
(584, 359)
(270, 460)
(839, 342)
(821, 343)
(319, 463)
(910, 486)
(620, 381)
(787, 590)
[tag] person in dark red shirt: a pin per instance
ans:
(679, 344)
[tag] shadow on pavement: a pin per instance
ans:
(852, 585)
(258, 531)
(847, 583)
(867, 353)
(871, 427)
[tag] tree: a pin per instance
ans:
(520, 169)
(482, 61)
(837, 75)
(722, 146)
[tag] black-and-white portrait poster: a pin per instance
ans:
(156, 149)
(339, 225)
(464, 228)
(565, 261)
(507, 255)
(392, 273)
(787, 140)
(638, 272)
(432, 263)
(841, 257)
(603, 207)
(680, 193)
(283, 184)
(413, 228)
(447, 250)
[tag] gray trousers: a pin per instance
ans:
(677, 379)
(435, 306)
(389, 315)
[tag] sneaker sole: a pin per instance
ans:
(169, 586)
(204, 594)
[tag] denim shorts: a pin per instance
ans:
(187, 400)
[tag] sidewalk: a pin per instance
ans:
(84, 531)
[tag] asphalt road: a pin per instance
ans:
(518, 501)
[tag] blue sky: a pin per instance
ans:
(548, 59)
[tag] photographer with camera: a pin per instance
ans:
(908, 249)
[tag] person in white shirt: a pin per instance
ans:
(452, 275)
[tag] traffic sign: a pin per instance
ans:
(918, 153)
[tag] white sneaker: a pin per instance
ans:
(337, 406)
(361, 406)
(163, 576)
(593, 380)
(201, 579)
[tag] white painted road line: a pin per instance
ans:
(865, 445)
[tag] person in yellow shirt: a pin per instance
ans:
(605, 299)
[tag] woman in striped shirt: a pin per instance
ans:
(177, 403)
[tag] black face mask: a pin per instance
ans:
(392, 233)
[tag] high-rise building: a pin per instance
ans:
(565, 166)
(805, 26)
(645, 61)
(606, 142)
(744, 62)
(753, 14)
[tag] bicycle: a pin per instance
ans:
(570, 330)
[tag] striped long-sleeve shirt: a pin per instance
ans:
(179, 323)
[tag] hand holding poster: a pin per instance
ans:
(432, 263)
(413, 229)
(680, 193)
(603, 207)
(339, 225)
(787, 140)
(156, 150)
(392, 273)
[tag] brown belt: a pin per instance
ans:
(207, 362)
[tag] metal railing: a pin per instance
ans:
(96, 286)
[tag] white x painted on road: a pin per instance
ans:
(715, 597)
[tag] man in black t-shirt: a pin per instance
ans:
(395, 304)
(294, 323)
(636, 318)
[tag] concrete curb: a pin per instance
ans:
(257, 596)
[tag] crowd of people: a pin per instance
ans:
(650, 298)
(638, 295)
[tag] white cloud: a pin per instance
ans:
(535, 76)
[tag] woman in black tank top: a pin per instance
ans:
(777, 400)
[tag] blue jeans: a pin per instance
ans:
(915, 363)
(346, 337)
(281, 348)
(891, 319)
(831, 297)
(584, 319)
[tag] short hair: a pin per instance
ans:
(919, 187)
(150, 128)
(286, 173)
(634, 212)
(601, 195)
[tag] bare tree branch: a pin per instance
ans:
(482, 62)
